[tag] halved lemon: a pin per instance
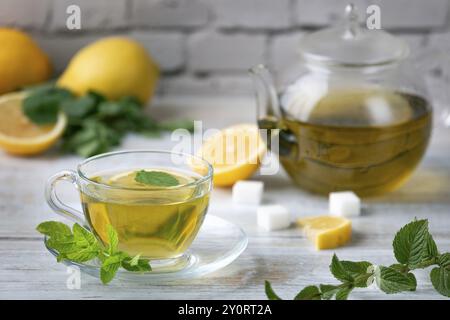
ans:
(235, 153)
(20, 136)
(327, 232)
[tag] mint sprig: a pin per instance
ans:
(80, 245)
(95, 124)
(414, 248)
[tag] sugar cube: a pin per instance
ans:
(345, 203)
(273, 217)
(247, 192)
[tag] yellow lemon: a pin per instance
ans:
(327, 232)
(114, 67)
(18, 135)
(235, 153)
(22, 62)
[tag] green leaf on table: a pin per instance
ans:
(444, 260)
(156, 178)
(54, 228)
(328, 291)
(177, 124)
(361, 272)
(338, 270)
(79, 107)
(42, 106)
(309, 293)
(411, 243)
(270, 293)
(342, 294)
(431, 250)
(389, 280)
(440, 278)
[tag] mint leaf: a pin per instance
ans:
(110, 266)
(156, 178)
(113, 239)
(78, 108)
(271, 295)
(440, 278)
(431, 250)
(54, 228)
(62, 243)
(411, 243)
(338, 270)
(414, 248)
(42, 106)
(83, 237)
(178, 124)
(360, 271)
(309, 293)
(444, 260)
(342, 294)
(328, 291)
(390, 280)
(80, 245)
(136, 264)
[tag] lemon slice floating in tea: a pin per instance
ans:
(235, 153)
(20, 136)
(327, 232)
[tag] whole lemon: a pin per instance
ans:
(114, 67)
(22, 62)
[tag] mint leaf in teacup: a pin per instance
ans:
(156, 178)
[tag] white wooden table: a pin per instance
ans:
(285, 258)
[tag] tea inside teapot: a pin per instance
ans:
(366, 140)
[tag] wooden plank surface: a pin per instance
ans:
(285, 257)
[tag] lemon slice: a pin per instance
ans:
(235, 153)
(327, 232)
(20, 136)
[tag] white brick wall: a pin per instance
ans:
(322, 12)
(167, 48)
(169, 13)
(283, 50)
(413, 14)
(263, 14)
(25, 13)
(95, 15)
(213, 51)
(206, 46)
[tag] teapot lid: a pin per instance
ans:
(349, 44)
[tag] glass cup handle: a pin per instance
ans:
(55, 203)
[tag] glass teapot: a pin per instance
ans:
(355, 116)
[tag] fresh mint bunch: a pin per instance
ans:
(414, 248)
(95, 124)
(80, 245)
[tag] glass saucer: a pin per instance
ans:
(218, 243)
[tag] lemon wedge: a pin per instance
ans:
(20, 136)
(235, 153)
(327, 232)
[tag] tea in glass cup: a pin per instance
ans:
(155, 200)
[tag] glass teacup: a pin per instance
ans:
(158, 220)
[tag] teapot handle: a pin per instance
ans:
(269, 114)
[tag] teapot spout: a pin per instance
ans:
(266, 94)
